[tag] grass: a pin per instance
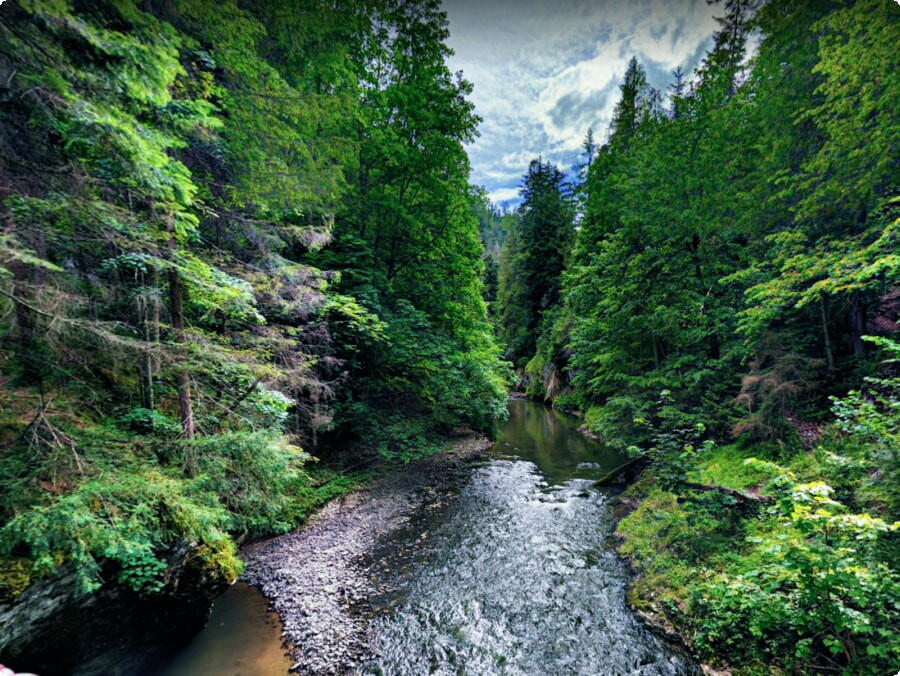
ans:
(691, 549)
(725, 466)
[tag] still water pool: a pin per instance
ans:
(242, 638)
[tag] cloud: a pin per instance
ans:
(504, 195)
(545, 71)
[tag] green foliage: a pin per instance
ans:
(673, 443)
(652, 526)
(256, 476)
(725, 465)
(147, 422)
(874, 416)
(871, 419)
(799, 579)
(818, 588)
(722, 232)
(533, 258)
(415, 337)
(534, 374)
(404, 440)
(436, 382)
(130, 520)
(799, 273)
(749, 227)
(174, 326)
(856, 54)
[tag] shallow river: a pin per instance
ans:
(516, 575)
(242, 638)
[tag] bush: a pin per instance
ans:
(674, 441)
(818, 586)
(146, 422)
(127, 519)
(256, 476)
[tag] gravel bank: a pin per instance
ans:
(319, 578)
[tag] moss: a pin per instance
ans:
(652, 525)
(15, 577)
(725, 466)
(534, 371)
(592, 416)
(221, 560)
(648, 536)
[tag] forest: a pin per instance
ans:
(241, 262)
(232, 236)
(717, 293)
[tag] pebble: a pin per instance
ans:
(318, 578)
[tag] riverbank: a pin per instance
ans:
(318, 579)
(733, 564)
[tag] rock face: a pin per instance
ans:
(52, 629)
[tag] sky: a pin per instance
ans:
(544, 71)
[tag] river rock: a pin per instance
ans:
(52, 628)
(319, 578)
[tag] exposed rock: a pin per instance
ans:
(53, 629)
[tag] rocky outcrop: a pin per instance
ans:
(52, 628)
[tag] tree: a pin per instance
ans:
(535, 256)
(837, 252)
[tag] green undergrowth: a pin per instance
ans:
(791, 569)
(114, 502)
(726, 466)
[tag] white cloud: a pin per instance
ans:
(546, 71)
(502, 195)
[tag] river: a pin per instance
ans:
(516, 575)
(519, 575)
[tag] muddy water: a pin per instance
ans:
(242, 638)
(516, 575)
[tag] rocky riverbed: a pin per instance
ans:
(320, 579)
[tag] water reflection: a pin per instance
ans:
(242, 638)
(516, 576)
(552, 442)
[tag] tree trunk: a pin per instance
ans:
(857, 324)
(176, 308)
(829, 352)
(149, 310)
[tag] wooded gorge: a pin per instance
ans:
(237, 235)
(719, 297)
(175, 328)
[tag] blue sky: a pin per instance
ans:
(545, 71)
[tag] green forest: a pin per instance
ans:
(232, 236)
(242, 263)
(717, 293)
